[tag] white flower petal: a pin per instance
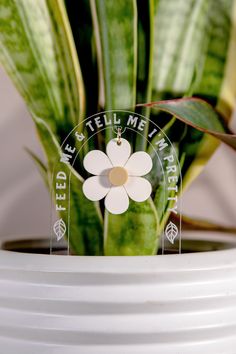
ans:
(97, 163)
(96, 188)
(139, 164)
(138, 189)
(118, 154)
(117, 201)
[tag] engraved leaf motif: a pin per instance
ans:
(59, 229)
(171, 232)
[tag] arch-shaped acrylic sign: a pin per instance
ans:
(120, 156)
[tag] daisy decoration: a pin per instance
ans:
(117, 175)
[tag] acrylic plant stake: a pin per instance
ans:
(116, 174)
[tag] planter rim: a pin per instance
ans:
(127, 264)
(101, 305)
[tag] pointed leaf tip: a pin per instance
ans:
(197, 113)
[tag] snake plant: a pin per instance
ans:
(70, 59)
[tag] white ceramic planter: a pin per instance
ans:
(178, 304)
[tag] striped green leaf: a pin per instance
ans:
(41, 167)
(37, 50)
(116, 23)
(86, 229)
(191, 42)
(134, 233)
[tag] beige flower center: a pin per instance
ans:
(118, 176)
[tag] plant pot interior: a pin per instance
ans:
(192, 241)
